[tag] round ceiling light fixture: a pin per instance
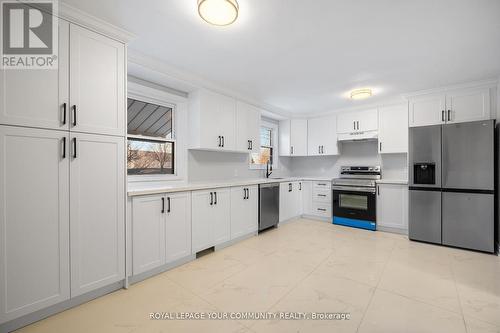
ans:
(361, 93)
(218, 12)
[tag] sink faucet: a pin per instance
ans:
(269, 169)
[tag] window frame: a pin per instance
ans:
(274, 145)
(148, 98)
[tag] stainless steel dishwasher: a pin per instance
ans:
(269, 205)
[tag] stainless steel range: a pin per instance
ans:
(354, 197)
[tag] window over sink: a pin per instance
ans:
(150, 139)
(268, 146)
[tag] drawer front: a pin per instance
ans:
(321, 209)
(325, 185)
(321, 195)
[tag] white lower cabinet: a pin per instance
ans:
(318, 199)
(34, 220)
(244, 210)
(97, 211)
(290, 200)
(211, 218)
(161, 230)
(392, 206)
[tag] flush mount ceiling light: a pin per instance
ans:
(361, 93)
(218, 12)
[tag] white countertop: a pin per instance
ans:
(193, 186)
(393, 181)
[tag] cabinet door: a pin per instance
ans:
(34, 220)
(346, 122)
(298, 138)
(202, 220)
(97, 209)
(468, 105)
(178, 226)
(222, 215)
(427, 110)
(148, 233)
(239, 211)
(247, 128)
(252, 208)
(285, 205)
(392, 206)
(307, 197)
(322, 136)
(36, 98)
(393, 129)
(284, 135)
(367, 120)
(97, 83)
(297, 199)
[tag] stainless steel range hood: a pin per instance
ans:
(358, 136)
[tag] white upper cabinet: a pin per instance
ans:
(293, 137)
(393, 129)
(322, 136)
(427, 110)
(358, 121)
(212, 121)
(97, 83)
(468, 105)
(454, 106)
(38, 98)
(97, 209)
(34, 220)
(247, 128)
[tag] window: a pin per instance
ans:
(268, 134)
(150, 144)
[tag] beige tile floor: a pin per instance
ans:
(385, 282)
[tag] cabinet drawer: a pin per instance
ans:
(322, 195)
(326, 185)
(321, 209)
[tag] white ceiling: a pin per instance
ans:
(304, 56)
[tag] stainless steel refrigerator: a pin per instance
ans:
(452, 190)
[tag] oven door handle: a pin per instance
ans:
(354, 189)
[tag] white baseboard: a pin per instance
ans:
(393, 230)
(146, 275)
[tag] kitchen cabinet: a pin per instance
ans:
(37, 98)
(393, 129)
(244, 210)
(307, 197)
(211, 218)
(357, 122)
(392, 206)
(161, 230)
(34, 220)
(453, 106)
(212, 119)
(247, 128)
(290, 200)
(293, 137)
(97, 83)
(97, 208)
(321, 199)
(177, 226)
(322, 136)
(148, 233)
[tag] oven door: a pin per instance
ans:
(354, 203)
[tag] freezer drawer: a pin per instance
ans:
(425, 216)
(468, 220)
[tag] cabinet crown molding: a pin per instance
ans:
(91, 22)
(491, 83)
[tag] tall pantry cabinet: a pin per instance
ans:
(62, 174)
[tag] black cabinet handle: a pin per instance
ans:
(289, 187)
(322, 195)
(64, 114)
(74, 148)
(300, 186)
(211, 198)
(380, 144)
(64, 147)
(215, 198)
(442, 116)
(168, 205)
(74, 115)
(378, 190)
(244, 193)
(219, 141)
(449, 115)
(322, 209)
(251, 144)
(354, 125)
(162, 205)
(223, 141)
(248, 193)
